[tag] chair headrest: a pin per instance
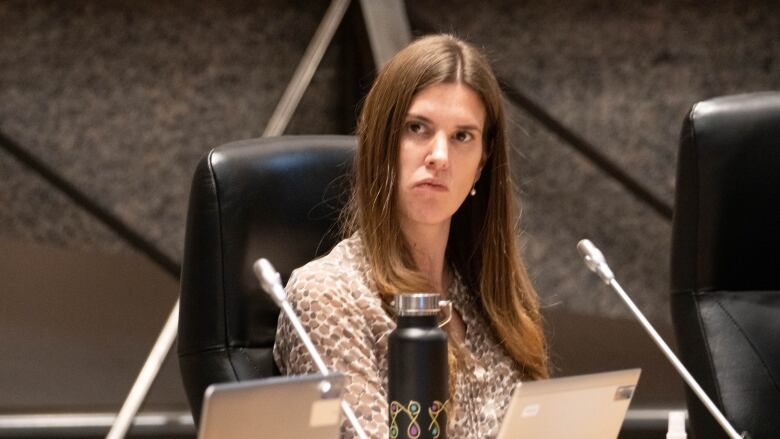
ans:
(277, 198)
(727, 209)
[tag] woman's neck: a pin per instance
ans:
(428, 245)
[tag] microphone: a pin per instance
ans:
(595, 261)
(271, 282)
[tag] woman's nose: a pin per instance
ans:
(438, 156)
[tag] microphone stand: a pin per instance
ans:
(596, 262)
(270, 281)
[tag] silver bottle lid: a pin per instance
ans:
(417, 304)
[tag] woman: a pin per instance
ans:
(431, 210)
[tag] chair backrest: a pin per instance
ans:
(725, 265)
(277, 198)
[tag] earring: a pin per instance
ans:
(473, 191)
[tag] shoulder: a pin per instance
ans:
(341, 275)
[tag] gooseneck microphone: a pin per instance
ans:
(595, 261)
(271, 282)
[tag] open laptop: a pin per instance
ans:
(579, 407)
(281, 408)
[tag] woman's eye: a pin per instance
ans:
(462, 136)
(415, 127)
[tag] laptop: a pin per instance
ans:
(579, 407)
(283, 408)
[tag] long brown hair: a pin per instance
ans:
(482, 244)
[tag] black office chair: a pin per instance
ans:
(725, 264)
(277, 198)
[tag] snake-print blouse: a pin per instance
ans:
(340, 308)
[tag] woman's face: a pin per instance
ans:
(441, 153)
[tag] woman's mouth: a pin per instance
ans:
(431, 184)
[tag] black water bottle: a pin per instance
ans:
(418, 375)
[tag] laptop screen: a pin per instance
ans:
(284, 407)
(579, 407)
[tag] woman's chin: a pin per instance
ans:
(429, 218)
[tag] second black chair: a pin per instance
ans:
(725, 269)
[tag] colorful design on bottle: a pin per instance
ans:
(434, 411)
(413, 411)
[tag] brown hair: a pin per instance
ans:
(482, 242)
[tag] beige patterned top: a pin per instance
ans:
(341, 309)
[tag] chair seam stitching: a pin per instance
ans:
(752, 346)
(251, 362)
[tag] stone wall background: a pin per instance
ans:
(123, 97)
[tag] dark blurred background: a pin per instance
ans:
(115, 101)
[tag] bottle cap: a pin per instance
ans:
(416, 304)
(676, 425)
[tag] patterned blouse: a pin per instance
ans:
(340, 307)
